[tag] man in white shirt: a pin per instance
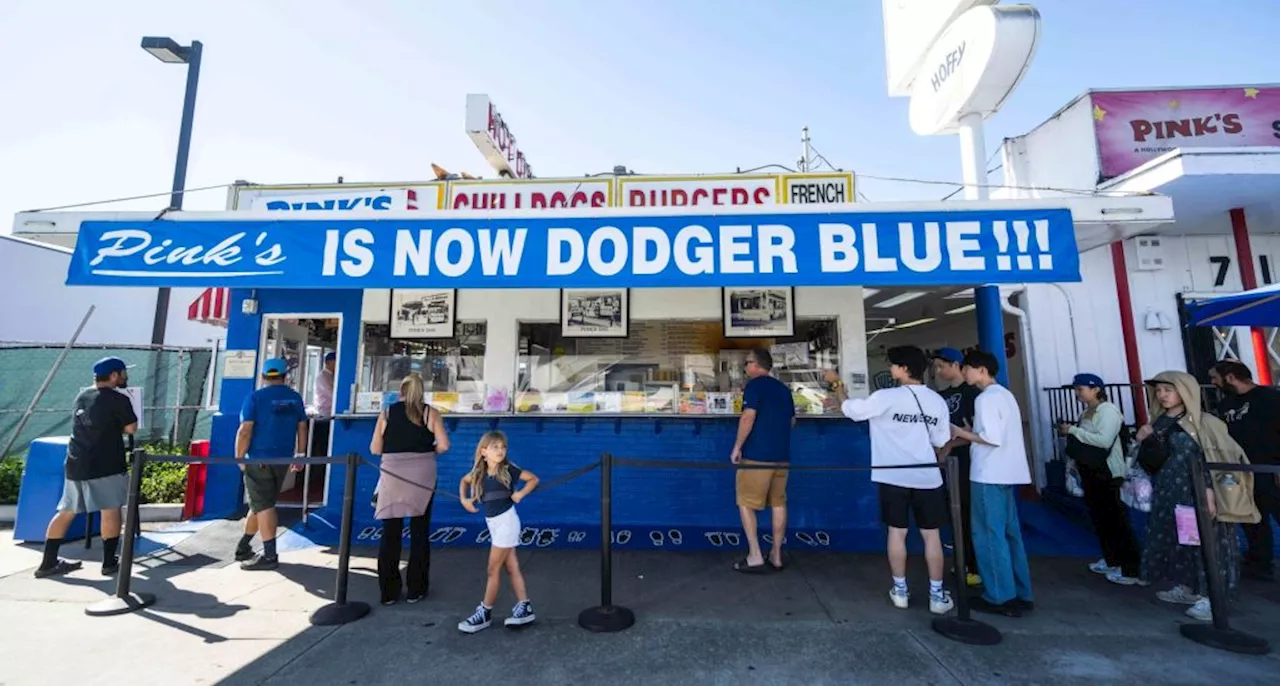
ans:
(908, 424)
(322, 398)
(999, 457)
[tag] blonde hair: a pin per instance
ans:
(413, 394)
(480, 467)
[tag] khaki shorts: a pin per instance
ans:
(758, 487)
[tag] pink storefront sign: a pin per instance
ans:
(1134, 127)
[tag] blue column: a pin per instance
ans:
(991, 327)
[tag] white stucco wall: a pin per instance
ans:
(38, 306)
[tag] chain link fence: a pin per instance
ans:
(171, 386)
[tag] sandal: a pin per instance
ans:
(742, 566)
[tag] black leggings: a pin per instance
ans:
(1110, 519)
(419, 571)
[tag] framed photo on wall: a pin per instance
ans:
(424, 313)
(595, 313)
(759, 312)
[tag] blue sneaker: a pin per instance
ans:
(521, 614)
(478, 621)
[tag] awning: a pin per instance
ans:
(212, 307)
(1258, 307)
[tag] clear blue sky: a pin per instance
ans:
(305, 91)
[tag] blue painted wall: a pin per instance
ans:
(244, 332)
(836, 510)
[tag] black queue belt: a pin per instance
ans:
(542, 487)
(338, 612)
(608, 617)
(1219, 633)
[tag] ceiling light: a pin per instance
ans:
(869, 292)
(962, 310)
(966, 294)
(900, 299)
(917, 322)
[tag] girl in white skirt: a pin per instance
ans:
(493, 483)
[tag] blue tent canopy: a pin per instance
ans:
(1258, 307)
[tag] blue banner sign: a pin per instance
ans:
(766, 249)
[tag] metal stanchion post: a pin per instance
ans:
(306, 474)
(1219, 634)
(607, 617)
(124, 600)
(340, 611)
(962, 627)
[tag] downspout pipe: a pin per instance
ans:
(1039, 436)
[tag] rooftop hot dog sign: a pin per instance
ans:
(730, 249)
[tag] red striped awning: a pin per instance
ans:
(212, 307)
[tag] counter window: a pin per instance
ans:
(667, 368)
(452, 369)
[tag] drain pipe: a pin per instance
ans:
(1039, 439)
(1071, 322)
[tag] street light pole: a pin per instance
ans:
(168, 51)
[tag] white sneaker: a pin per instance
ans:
(1178, 595)
(1101, 567)
(940, 604)
(1202, 610)
(1117, 577)
(900, 598)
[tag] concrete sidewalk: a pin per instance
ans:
(825, 620)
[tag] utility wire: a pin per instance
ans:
(135, 197)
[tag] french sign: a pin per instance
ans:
(759, 249)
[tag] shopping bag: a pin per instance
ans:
(1073, 480)
(1136, 492)
(1188, 530)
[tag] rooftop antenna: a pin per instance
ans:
(806, 150)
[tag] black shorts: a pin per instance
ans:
(898, 504)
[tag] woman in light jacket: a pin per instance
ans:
(409, 435)
(1094, 443)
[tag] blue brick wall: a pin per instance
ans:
(652, 507)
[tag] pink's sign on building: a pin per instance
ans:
(1134, 127)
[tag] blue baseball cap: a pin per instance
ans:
(1087, 381)
(107, 365)
(330, 356)
(949, 354)
(275, 367)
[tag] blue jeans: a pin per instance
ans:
(997, 537)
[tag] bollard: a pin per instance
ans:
(340, 611)
(962, 627)
(606, 617)
(1219, 634)
(125, 601)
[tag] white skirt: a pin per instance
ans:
(504, 530)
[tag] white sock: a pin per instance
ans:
(935, 587)
(900, 583)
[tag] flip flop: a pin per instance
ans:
(742, 566)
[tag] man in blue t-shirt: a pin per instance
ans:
(764, 438)
(273, 424)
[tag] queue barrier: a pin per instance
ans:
(1219, 634)
(340, 611)
(608, 617)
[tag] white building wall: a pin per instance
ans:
(38, 306)
(1059, 159)
(504, 309)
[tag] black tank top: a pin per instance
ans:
(403, 436)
